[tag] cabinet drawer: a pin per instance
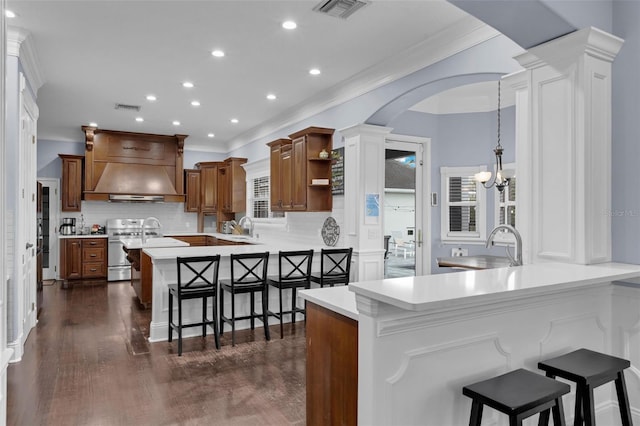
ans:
(92, 254)
(93, 270)
(94, 242)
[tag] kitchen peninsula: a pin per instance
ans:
(421, 339)
(163, 265)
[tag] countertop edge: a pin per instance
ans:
(66, 237)
(337, 299)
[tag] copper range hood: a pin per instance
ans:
(133, 167)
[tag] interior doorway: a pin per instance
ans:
(50, 208)
(406, 179)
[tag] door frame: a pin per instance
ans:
(422, 147)
(53, 272)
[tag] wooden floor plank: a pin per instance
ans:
(88, 361)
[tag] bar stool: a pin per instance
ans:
(202, 285)
(298, 265)
(335, 265)
(248, 275)
(518, 394)
(589, 369)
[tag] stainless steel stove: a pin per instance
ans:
(119, 267)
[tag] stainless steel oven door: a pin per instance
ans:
(119, 267)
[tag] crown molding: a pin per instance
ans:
(20, 44)
(465, 34)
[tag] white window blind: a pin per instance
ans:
(463, 206)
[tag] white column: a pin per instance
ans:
(563, 146)
(364, 147)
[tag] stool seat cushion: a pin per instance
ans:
(585, 366)
(516, 392)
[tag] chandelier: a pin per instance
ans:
(501, 179)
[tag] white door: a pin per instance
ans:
(406, 218)
(27, 215)
(50, 208)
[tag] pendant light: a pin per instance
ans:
(501, 179)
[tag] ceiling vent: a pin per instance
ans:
(339, 8)
(128, 107)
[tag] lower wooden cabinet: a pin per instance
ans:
(83, 258)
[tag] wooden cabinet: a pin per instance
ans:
(332, 367)
(193, 240)
(280, 182)
(71, 182)
(232, 182)
(208, 186)
(300, 177)
(192, 190)
(83, 258)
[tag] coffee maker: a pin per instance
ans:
(68, 226)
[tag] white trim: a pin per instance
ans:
(463, 35)
(20, 44)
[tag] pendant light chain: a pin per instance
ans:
(499, 113)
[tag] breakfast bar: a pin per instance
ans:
(421, 339)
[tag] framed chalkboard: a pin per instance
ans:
(337, 171)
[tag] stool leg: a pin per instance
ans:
(476, 413)
(623, 400)
(515, 421)
(204, 317)
(588, 409)
(170, 317)
(543, 420)
(558, 413)
(577, 416)
(281, 313)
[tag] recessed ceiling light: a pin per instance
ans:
(271, 97)
(289, 25)
(9, 14)
(176, 123)
(151, 98)
(195, 103)
(218, 53)
(314, 71)
(234, 120)
(92, 124)
(187, 84)
(139, 119)
(210, 135)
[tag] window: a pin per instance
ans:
(505, 202)
(463, 205)
(259, 199)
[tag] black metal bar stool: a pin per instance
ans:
(335, 267)
(294, 270)
(518, 394)
(202, 284)
(589, 369)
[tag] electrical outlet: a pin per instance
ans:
(458, 252)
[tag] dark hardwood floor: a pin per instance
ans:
(88, 363)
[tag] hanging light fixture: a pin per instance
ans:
(501, 179)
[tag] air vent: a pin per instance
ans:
(128, 107)
(339, 8)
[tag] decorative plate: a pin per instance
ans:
(330, 231)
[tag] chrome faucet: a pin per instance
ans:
(145, 225)
(246, 222)
(517, 261)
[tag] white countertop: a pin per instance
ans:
(136, 243)
(338, 299)
(471, 288)
(273, 248)
(64, 237)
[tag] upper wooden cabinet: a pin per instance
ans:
(209, 186)
(192, 190)
(71, 182)
(300, 175)
(232, 185)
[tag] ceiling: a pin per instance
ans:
(476, 97)
(93, 54)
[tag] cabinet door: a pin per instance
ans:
(299, 175)
(192, 191)
(72, 259)
(286, 178)
(209, 189)
(275, 178)
(236, 185)
(224, 189)
(71, 183)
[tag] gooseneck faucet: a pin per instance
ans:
(517, 261)
(246, 223)
(146, 224)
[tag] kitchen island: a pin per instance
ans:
(421, 339)
(163, 265)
